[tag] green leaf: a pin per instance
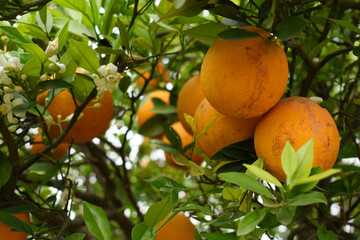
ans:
(237, 34)
(96, 221)
(123, 34)
(289, 161)
(285, 215)
(55, 83)
(264, 175)
(35, 51)
(219, 236)
(83, 85)
(5, 169)
(165, 109)
(290, 27)
(124, 83)
(323, 234)
(212, 121)
(345, 24)
(247, 182)
(109, 50)
(138, 231)
(207, 32)
(356, 51)
(187, 20)
(243, 150)
(84, 56)
(305, 156)
(179, 159)
(189, 9)
(14, 35)
(173, 137)
(31, 29)
(24, 107)
(232, 194)
(62, 35)
(79, 6)
(195, 207)
(75, 28)
(76, 236)
(165, 184)
(309, 198)
(157, 212)
(194, 169)
(250, 221)
(318, 177)
(32, 68)
(191, 121)
(269, 21)
(44, 19)
(14, 222)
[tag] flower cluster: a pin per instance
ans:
(51, 52)
(109, 76)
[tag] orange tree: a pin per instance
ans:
(116, 184)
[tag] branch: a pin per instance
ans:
(25, 9)
(344, 4)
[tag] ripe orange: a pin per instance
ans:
(38, 145)
(93, 124)
(186, 139)
(190, 97)
(144, 113)
(297, 120)
(178, 228)
(160, 74)
(7, 234)
(224, 131)
(244, 78)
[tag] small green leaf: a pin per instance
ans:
(138, 231)
(237, 34)
(179, 159)
(247, 182)
(289, 161)
(109, 50)
(56, 83)
(157, 212)
(123, 34)
(289, 27)
(285, 215)
(305, 156)
(32, 68)
(189, 9)
(232, 194)
(124, 83)
(165, 109)
(345, 24)
(24, 107)
(62, 35)
(191, 121)
(96, 221)
(194, 169)
(82, 86)
(207, 31)
(243, 151)
(5, 169)
(76, 236)
(264, 175)
(356, 101)
(219, 236)
(173, 137)
(212, 121)
(194, 207)
(35, 51)
(84, 56)
(269, 21)
(15, 35)
(323, 234)
(165, 184)
(356, 51)
(318, 177)
(309, 198)
(14, 222)
(250, 221)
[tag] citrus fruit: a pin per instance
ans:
(178, 228)
(7, 234)
(144, 113)
(189, 99)
(186, 139)
(244, 78)
(38, 145)
(297, 120)
(160, 74)
(93, 123)
(223, 132)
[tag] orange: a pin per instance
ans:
(186, 139)
(160, 74)
(93, 124)
(297, 120)
(224, 131)
(244, 78)
(190, 97)
(144, 113)
(178, 228)
(38, 145)
(7, 234)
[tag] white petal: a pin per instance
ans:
(102, 70)
(11, 118)
(112, 69)
(17, 102)
(7, 98)
(3, 61)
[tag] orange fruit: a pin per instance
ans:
(38, 145)
(186, 139)
(244, 78)
(144, 113)
(178, 228)
(7, 234)
(190, 97)
(224, 131)
(297, 120)
(160, 74)
(92, 124)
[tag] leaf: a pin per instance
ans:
(62, 35)
(190, 9)
(76, 236)
(75, 28)
(318, 177)
(165, 109)
(109, 50)
(194, 169)
(285, 215)
(264, 175)
(35, 51)
(165, 184)
(309, 198)
(44, 19)
(56, 83)
(232, 194)
(124, 83)
(207, 32)
(187, 20)
(5, 169)
(247, 182)
(32, 68)
(345, 24)
(243, 150)
(305, 156)
(157, 212)
(194, 207)
(356, 52)
(323, 234)
(82, 85)
(219, 236)
(13, 222)
(84, 56)
(289, 27)
(237, 34)
(250, 221)
(123, 34)
(32, 29)
(138, 231)
(191, 121)
(96, 221)
(24, 107)
(15, 35)
(173, 137)
(289, 161)
(79, 6)
(212, 121)
(269, 21)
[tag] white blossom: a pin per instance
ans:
(4, 79)
(43, 77)
(52, 48)
(9, 104)
(62, 67)
(3, 61)
(109, 77)
(13, 64)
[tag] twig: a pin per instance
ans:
(25, 9)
